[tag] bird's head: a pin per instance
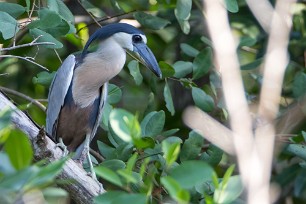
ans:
(129, 38)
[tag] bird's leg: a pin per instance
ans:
(86, 154)
(62, 146)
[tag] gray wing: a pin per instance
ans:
(101, 106)
(57, 92)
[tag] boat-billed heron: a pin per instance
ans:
(79, 89)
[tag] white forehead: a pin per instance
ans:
(125, 39)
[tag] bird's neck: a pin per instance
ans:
(96, 69)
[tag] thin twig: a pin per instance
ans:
(26, 59)
(21, 95)
(92, 17)
(26, 45)
(96, 155)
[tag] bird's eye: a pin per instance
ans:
(137, 39)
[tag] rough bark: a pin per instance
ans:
(81, 187)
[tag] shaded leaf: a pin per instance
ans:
(135, 72)
(150, 21)
(202, 100)
(192, 173)
(182, 68)
(44, 78)
(105, 150)
(119, 197)
(168, 99)
(192, 146)
(202, 63)
(8, 26)
(298, 150)
(213, 155)
(252, 65)
(189, 50)
(167, 70)
(45, 37)
(153, 123)
(108, 174)
(299, 84)
(47, 19)
(14, 10)
(114, 94)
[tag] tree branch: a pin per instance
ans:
(81, 187)
(26, 59)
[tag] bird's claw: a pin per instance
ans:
(62, 146)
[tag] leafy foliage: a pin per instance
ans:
(150, 156)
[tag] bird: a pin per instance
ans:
(78, 91)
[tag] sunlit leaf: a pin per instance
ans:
(19, 150)
(171, 151)
(232, 6)
(229, 192)
(179, 194)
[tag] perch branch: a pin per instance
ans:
(81, 187)
(21, 95)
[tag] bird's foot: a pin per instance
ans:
(62, 146)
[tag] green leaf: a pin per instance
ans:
(153, 123)
(113, 164)
(150, 21)
(183, 8)
(45, 37)
(232, 6)
(202, 63)
(8, 26)
(191, 173)
(206, 41)
(252, 65)
(44, 78)
(114, 94)
(135, 72)
(119, 197)
(105, 150)
(107, 109)
(46, 175)
(247, 41)
(213, 155)
(19, 150)
(182, 68)
(108, 174)
(189, 50)
(168, 99)
(192, 146)
(167, 70)
(182, 13)
(230, 192)
(55, 195)
(171, 151)
(179, 194)
(60, 7)
(298, 150)
(299, 84)
(144, 142)
(118, 122)
(202, 100)
(14, 10)
(47, 19)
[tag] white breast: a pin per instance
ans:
(96, 69)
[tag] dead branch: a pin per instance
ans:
(80, 186)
